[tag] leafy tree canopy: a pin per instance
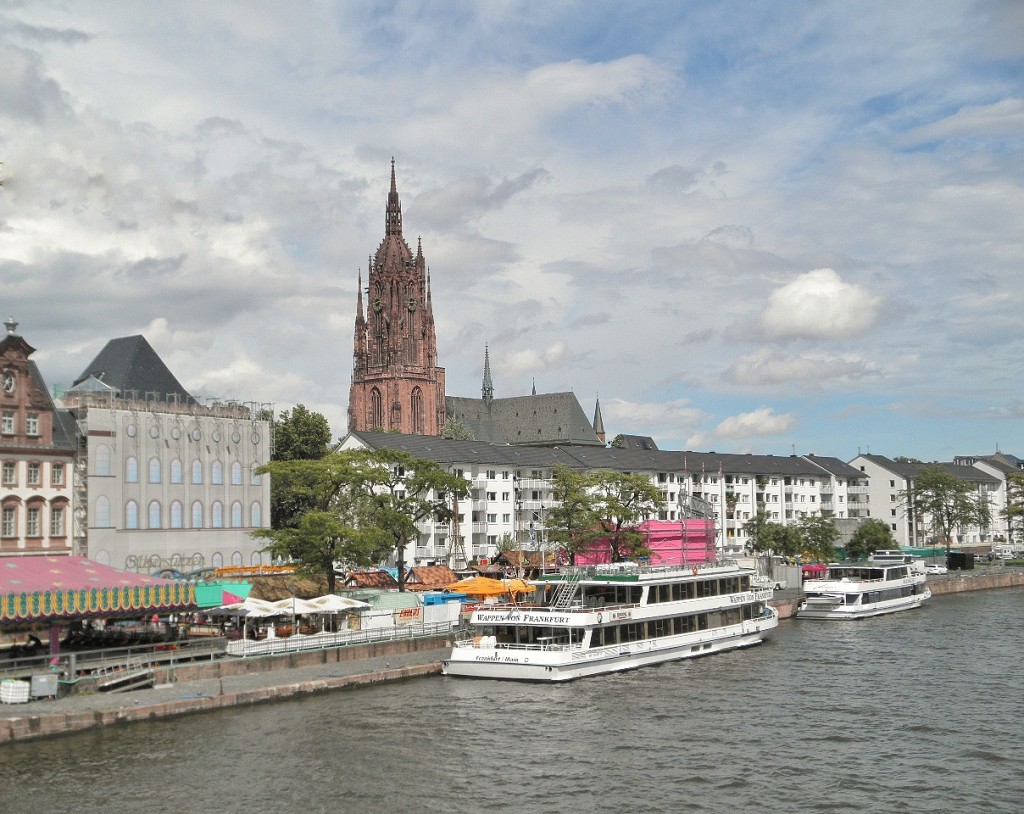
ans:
(455, 430)
(947, 502)
(871, 535)
(623, 501)
(332, 524)
(298, 435)
(573, 522)
(819, 536)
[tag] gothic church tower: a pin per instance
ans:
(396, 383)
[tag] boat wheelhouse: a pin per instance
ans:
(590, 620)
(888, 582)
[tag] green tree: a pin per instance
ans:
(753, 529)
(332, 525)
(871, 535)
(403, 491)
(947, 502)
(819, 534)
(573, 522)
(455, 430)
(774, 538)
(298, 435)
(1014, 511)
(623, 501)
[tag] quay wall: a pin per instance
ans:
(108, 709)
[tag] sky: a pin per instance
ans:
(766, 227)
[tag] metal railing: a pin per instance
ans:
(323, 641)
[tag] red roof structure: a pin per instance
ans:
(36, 589)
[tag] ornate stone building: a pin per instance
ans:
(37, 453)
(396, 382)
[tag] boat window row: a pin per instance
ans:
(674, 625)
(862, 574)
(871, 597)
(697, 589)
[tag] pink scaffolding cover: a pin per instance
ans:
(672, 542)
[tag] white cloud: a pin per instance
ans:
(759, 422)
(819, 305)
(767, 368)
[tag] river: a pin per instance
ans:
(916, 712)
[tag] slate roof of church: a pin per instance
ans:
(130, 366)
(542, 419)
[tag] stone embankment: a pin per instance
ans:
(228, 682)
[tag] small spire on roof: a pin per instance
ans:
(10, 325)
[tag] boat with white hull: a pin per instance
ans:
(589, 620)
(888, 582)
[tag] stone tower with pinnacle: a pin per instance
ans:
(396, 382)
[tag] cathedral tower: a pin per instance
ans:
(396, 383)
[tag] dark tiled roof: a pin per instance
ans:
(64, 435)
(131, 366)
(585, 457)
(909, 471)
(634, 442)
(546, 418)
(836, 467)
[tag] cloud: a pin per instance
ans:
(819, 305)
(1002, 118)
(670, 419)
(767, 368)
(757, 423)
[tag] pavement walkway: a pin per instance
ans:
(84, 711)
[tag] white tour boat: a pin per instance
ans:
(588, 620)
(887, 582)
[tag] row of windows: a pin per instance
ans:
(34, 516)
(155, 472)
(34, 473)
(7, 424)
(175, 515)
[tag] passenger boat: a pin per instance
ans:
(589, 620)
(887, 582)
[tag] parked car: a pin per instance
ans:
(935, 568)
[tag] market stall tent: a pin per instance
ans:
(64, 588)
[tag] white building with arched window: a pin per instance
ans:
(153, 489)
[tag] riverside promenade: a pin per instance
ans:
(229, 682)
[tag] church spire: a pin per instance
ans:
(488, 388)
(598, 421)
(393, 215)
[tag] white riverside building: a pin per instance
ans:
(511, 490)
(162, 482)
(888, 478)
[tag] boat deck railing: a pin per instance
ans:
(636, 568)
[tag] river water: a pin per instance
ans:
(916, 712)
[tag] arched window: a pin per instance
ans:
(197, 515)
(131, 515)
(255, 558)
(131, 470)
(101, 460)
(416, 413)
(176, 471)
(154, 514)
(376, 410)
(218, 560)
(197, 471)
(176, 518)
(217, 473)
(236, 515)
(218, 515)
(236, 473)
(101, 513)
(255, 515)
(236, 558)
(154, 470)
(257, 479)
